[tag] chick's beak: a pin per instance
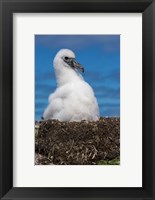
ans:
(77, 65)
(72, 62)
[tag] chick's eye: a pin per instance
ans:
(66, 58)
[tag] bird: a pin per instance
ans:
(73, 99)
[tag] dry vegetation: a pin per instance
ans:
(78, 143)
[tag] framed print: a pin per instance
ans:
(58, 140)
(77, 99)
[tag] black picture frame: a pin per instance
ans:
(7, 8)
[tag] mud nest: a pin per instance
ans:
(77, 143)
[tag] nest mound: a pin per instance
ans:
(77, 143)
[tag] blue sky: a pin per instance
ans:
(100, 56)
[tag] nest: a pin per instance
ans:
(77, 143)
